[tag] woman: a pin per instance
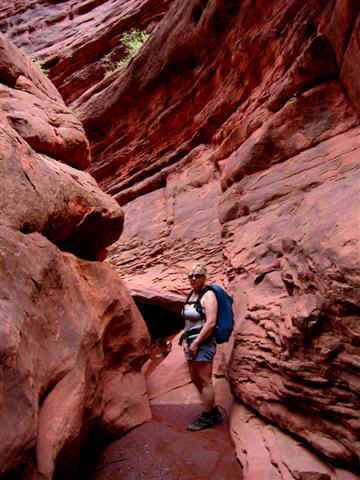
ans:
(200, 312)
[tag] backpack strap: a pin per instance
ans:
(198, 308)
(186, 301)
(204, 290)
(189, 296)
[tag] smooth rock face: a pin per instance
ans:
(70, 367)
(72, 342)
(79, 42)
(64, 204)
(164, 233)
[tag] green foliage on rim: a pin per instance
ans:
(132, 41)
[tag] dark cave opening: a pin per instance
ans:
(161, 321)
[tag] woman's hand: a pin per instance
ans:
(193, 349)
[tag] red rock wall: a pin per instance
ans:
(72, 342)
(234, 137)
(77, 40)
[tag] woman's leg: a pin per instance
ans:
(201, 375)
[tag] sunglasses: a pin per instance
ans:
(195, 275)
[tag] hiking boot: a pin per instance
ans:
(203, 421)
(217, 416)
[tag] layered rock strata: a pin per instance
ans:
(78, 42)
(72, 342)
(296, 358)
(264, 451)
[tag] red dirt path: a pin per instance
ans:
(162, 449)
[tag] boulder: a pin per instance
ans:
(72, 342)
(31, 105)
(40, 141)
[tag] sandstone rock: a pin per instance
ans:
(72, 342)
(249, 96)
(349, 71)
(300, 325)
(78, 43)
(337, 24)
(43, 195)
(264, 451)
(39, 193)
(66, 362)
(148, 295)
(243, 152)
(257, 174)
(163, 449)
(172, 236)
(35, 110)
(65, 205)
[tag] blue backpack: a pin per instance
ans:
(225, 316)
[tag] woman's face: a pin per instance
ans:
(197, 280)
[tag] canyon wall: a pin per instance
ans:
(72, 342)
(233, 137)
(78, 42)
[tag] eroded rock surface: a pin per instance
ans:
(78, 42)
(31, 105)
(264, 451)
(72, 342)
(300, 331)
(234, 137)
(244, 152)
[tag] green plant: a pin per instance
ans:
(132, 41)
(40, 64)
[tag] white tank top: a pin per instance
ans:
(192, 316)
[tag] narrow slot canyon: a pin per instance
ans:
(140, 136)
(162, 448)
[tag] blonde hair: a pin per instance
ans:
(198, 268)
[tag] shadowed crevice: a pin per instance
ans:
(160, 321)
